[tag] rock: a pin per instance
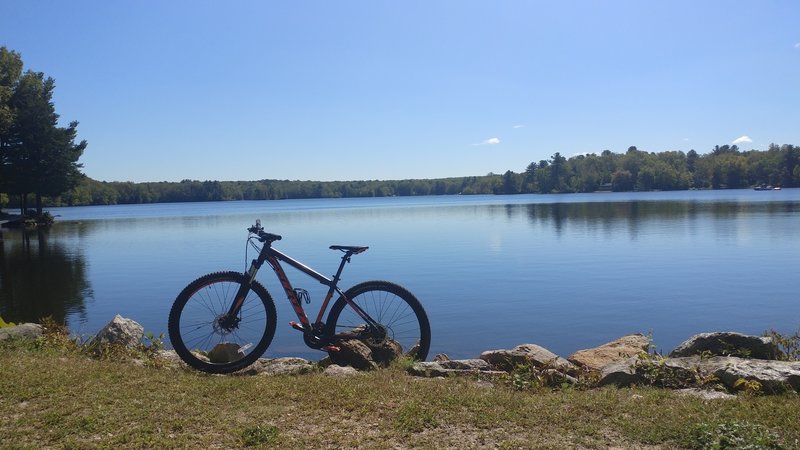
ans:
(170, 356)
(23, 330)
(357, 353)
(452, 368)
(120, 331)
(430, 369)
(465, 364)
(555, 377)
(441, 357)
(335, 370)
(620, 373)
(284, 366)
(727, 344)
(353, 353)
(527, 354)
(615, 351)
(225, 352)
(384, 354)
(771, 376)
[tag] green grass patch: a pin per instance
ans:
(54, 396)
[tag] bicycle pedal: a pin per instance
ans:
(296, 326)
(331, 348)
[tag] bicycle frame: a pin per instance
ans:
(274, 258)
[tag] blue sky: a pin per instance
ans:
(350, 90)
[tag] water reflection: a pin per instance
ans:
(40, 278)
(636, 213)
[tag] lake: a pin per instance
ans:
(567, 271)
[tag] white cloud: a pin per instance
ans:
(742, 140)
(797, 45)
(519, 126)
(490, 141)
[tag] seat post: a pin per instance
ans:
(345, 260)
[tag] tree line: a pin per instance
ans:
(635, 170)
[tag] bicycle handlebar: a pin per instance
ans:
(258, 230)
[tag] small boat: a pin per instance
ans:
(767, 187)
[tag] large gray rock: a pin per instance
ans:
(120, 331)
(621, 373)
(23, 330)
(727, 344)
(772, 376)
(527, 354)
(615, 351)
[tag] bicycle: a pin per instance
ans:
(224, 321)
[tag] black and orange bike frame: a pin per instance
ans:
(316, 334)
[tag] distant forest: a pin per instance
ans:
(635, 170)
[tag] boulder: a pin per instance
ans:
(527, 354)
(354, 353)
(615, 351)
(23, 330)
(225, 352)
(120, 331)
(727, 344)
(384, 354)
(771, 376)
(357, 353)
(620, 373)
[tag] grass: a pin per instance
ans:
(54, 396)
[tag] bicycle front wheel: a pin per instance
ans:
(206, 338)
(393, 307)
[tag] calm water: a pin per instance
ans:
(563, 271)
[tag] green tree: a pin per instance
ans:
(37, 156)
(10, 71)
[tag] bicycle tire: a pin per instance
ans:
(194, 330)
(392, 306)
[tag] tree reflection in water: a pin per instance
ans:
(40, 279)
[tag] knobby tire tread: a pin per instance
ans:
(399, 291)
(207, 280)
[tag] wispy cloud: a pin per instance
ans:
(490, 141)
(519, 126)
(797, 45)
(742, 140)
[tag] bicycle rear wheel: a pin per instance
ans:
(393, 307)
(206, 339)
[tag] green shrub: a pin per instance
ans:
(788, 346)
(735, 435)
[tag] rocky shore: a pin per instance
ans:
(712, 365)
